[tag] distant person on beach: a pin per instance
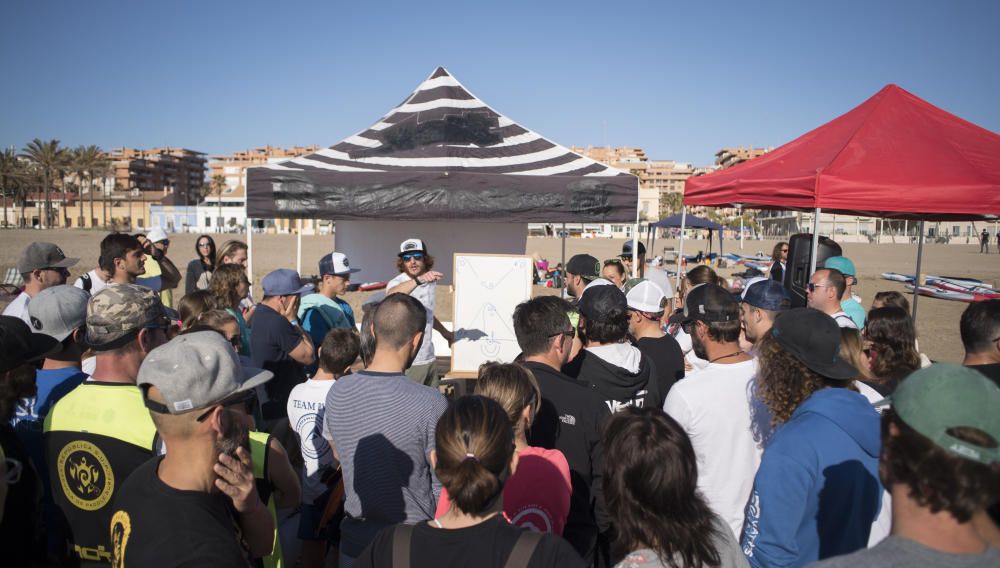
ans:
(661, 517)
(984, 242)
(850, 303)
(41, 265)
(980, 328)
(824, 293)
(417, 279)
(122, 257)
(939, 460)
(159, 268)
(779, 256)
(199, 270)
(640, 254)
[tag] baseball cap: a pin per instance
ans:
(412, 245)
(841, 263)
(708, 303)
(766, 295)
(118, 312)
(156, 234)
(43, 255)
(645, 296)
(943, 396)
(627, 248)
(335, 263)
(598, 282)
(19, 346)
(59, 310)
(283, 282)
(813, 338)
(584, 266)
(195, 371)
(602, 302)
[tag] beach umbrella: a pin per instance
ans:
(894, 156)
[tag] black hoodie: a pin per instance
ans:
(618, 388)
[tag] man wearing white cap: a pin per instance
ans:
(161, 273)
(418, 280)
(646, 302)
(322, 311)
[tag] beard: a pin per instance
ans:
(698, 346)
(235, 434)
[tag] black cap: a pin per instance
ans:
(708, 303)
(813, 338)
(584, 266)
(18, 345)
(627, 248)
(601, 302)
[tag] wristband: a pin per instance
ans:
(294, 322)
(417, 280)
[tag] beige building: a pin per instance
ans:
(729, 157)
(158, 172)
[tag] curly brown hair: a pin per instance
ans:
(784, 382)
(428, 263)
(223, 285)
(893, 338)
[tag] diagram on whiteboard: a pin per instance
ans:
(487, 289)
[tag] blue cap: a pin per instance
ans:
(767, 295)
(283, 282)
(841, 263)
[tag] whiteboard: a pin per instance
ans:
(487, 289)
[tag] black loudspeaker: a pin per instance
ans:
(797, 274)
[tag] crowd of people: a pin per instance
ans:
(718, 426)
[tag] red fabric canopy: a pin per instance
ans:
(895, 155)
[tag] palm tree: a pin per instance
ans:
(88, 161)
(50, 160)
(217, 185)
(9, 168)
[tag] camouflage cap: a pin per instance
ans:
(118, 311)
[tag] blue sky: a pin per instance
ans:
(680, 79)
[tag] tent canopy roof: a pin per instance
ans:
(443, 153)
(895, 155)
(691, 222)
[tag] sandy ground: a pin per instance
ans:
(937, 321)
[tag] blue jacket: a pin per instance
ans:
(817, 490)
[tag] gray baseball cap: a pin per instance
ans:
(196, 370)
(43, 255)
(59, 310)
(120, 310)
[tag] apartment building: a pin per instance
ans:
(159, 172)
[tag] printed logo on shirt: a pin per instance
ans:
(309, 428)
(568, 419)
(617, 406)
(750, 530)
(533, 518)
(121, 529)
(85, 475)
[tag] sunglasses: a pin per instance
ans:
(617, 261)
(413, 256)
(246, 398)
(204, 245)
(812, 287)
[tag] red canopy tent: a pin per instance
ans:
(895, 155)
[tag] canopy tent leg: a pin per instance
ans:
(652, 245)
(562, 271)
(739, 211)
(635, 235)
(815, 245)
(680, 249)
(250, 255)
(916, 276)
(298, 250)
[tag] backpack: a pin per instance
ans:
(518, 557)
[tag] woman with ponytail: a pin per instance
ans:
(473, 458)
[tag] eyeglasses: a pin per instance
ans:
(60, 270)
(413, 256)
(812, 287)
(164, 242)
(567, 333)
(204, 245)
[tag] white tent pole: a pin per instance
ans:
(916, 277)
(680, 248)
(815, 245)
(739, 211)
(298, 250)
(250, 255)
(652, 244)
(635, 234)
(562, 272)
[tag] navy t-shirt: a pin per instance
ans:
(272, 338)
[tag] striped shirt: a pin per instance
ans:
(382, 425)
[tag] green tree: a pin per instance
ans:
(50, 160)
(217, 186)
(87, 164)
(10, 167)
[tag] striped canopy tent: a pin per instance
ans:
(443, 154)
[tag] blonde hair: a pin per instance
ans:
(511, 385)
(228, 248)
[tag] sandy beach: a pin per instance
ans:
(937, 321)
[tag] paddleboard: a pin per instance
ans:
(935, 292)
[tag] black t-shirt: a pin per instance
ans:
(668, 360)
(272, 338)
(20, 530)
(992, 371)
(487, 544)
(154, 525)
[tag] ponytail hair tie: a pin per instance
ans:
(470, 456)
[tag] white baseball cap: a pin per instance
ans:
(412, 245)
(646, 297)
(156, 235)
(336, 263)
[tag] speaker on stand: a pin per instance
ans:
(796, 277)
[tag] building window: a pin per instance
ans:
(208, 221)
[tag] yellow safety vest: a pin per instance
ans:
(258, 453)
(94, 437)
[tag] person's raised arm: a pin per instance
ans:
(235, 479)
(411, 284)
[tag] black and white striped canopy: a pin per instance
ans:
(441, 154)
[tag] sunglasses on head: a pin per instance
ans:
(413, 256)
